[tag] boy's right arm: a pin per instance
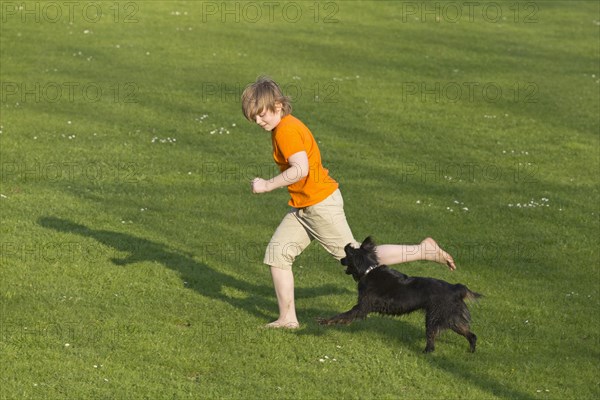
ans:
(298, 170)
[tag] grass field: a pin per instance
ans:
(131, 258)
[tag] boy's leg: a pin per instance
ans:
(288, 241)
(427, 250)
(283, 280)
(327, 223)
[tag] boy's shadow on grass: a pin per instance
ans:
(195, 275)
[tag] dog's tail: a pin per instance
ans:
(472, 295)
(468, 294)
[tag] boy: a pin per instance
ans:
(317, 207)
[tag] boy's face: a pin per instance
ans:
(268, 119)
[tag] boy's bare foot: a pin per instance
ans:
(433, 252)
(283, 325)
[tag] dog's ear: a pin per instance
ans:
(368, 244)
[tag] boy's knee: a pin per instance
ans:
(279, 266)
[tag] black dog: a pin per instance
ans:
(387, 291)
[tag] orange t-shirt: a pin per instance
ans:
(289, 137)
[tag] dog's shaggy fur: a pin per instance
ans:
(387, 291)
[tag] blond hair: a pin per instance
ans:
(263, 95)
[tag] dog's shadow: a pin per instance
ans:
(407, 335)
(400, 331)
(195, 275)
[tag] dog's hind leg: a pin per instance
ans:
(464, 330)
(472, 338)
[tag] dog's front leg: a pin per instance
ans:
(357, 312)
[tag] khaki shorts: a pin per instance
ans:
(324, 222)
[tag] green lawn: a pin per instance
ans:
(131, 258)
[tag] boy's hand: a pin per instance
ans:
(259, 185)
